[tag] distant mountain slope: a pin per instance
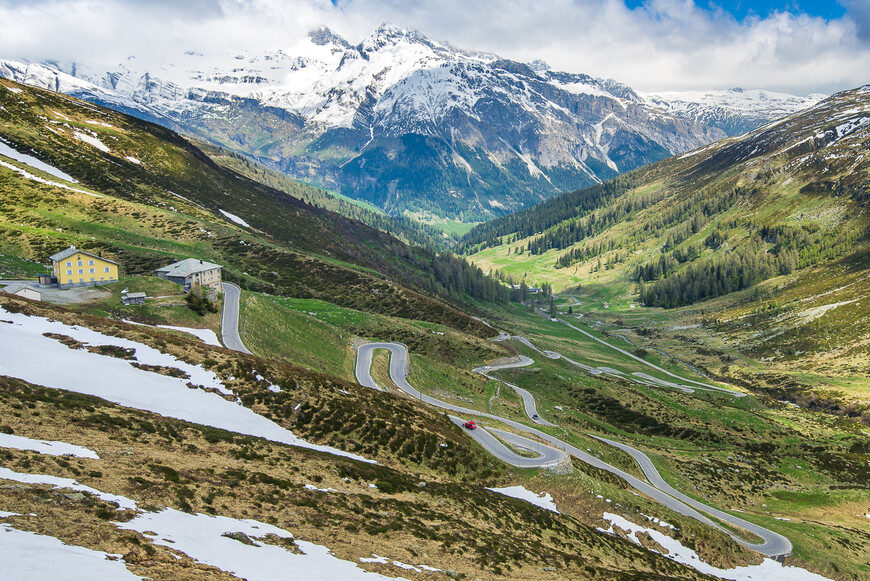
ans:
(735, 111)
(789, 203)
(144, 195)
(399, 120)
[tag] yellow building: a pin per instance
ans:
(74, 267)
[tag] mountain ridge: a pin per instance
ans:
(402, 121)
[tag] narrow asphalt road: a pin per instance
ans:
(773, 545)
(546, 456)
(528, 399)
(696, 385)
(230, 319)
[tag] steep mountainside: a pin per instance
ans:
(773, 224)
(136, 186)
(402, 121)
(735, 111)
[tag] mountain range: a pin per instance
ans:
(410, 124)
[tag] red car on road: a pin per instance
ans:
(470, 425)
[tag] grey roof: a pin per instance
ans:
(63, 254)
(134, 295)
(186, 267)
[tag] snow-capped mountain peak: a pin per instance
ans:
(409, 123)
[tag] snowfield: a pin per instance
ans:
(116, 380)
(30, 176)
(27, 555)
(768, 569)
(34, 162)
(544, 500)
(234, 218)
(207, 336)
(91, 140)
(53, 448)
(201, 537)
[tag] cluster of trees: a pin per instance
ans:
(676, 223)
(539, 218)
(663, 284)
(454, 277)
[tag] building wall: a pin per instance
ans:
(82, 269)
(210, 278)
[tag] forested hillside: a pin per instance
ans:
(775, 223)
(138, 185)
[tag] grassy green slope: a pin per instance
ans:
(763, 238)
(159, 198)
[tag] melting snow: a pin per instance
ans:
(91, 140)
(34, 163)
(132, 159)
(14, 90)
(234, 218)
(768, 569)
(92, 122)
(544, 500)
(30, 176)
(207, 336)
(53, 448)
(27, 555)
(59, 482)
(117, 381)
(201, 538)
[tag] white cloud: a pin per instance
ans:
(662, 45)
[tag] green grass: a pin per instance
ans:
(451, 227)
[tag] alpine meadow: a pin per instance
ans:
(373, 306)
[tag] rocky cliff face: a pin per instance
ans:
(399, 120)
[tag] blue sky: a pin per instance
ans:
(794, 46)
(740, 9)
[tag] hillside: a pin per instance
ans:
(410, 124)
(761, 241)
(187, 460)
(145, 196)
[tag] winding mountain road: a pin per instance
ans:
(772, 545)
(528, 399)
(230, 319)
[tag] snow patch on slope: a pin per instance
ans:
(50, 447)
(34, 163)
(768, 569)
(91, 140)
(234, 218)
(543, 500)
(28, 555)
(117, 381)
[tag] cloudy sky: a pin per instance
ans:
(795, 46)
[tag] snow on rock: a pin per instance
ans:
(59, 482)
(544, 500)
(13, 89)
(768, 569)
(30, 176)
(52, 448)
(201, 537)
(117, 381)
(34, 163)
(132, 159)
(91, 140)
(27, 555)
(234, 218)
(4, 514)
